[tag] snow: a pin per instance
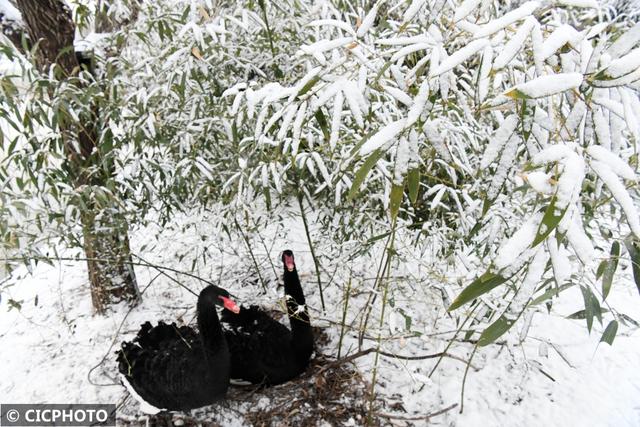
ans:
(540, 182)
(550, 84)
(512, 248)
(9, 11)
(624, 65)
(625, 42)
(578, 240)
(514, 45)
(418, 103)
(570, 182)
(561, 36)
(498, 140)
(398, 94)
(437, 140)
(384, 135)
(559, 260)
(579, 3)
(619, 193)
(336, 117)
(465, 8)
(615, 163)
(460, 56)
(325, 45)
(412, 10)
(507, 19)
(368, 20)
(529, 283)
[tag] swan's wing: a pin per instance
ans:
(259, 349)
(165, 366)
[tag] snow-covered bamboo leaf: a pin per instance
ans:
(507, 19)
(625, 42)
(412, 10)
(620, 193)
(368, 20)
(615, 163)
(498, 140)
(460, 56)
(384, 135)
(546, 85)
(465, 9)
(579, 3)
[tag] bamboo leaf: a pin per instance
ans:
(550, 293)
(362, 173)
(307, 87)
(610, 332)
(495, 331)
(480, 286)
(633, 247)
(413, 184)
(395, 200)
(322, 121)
(610, 269)
(591, 307)
(550, 221)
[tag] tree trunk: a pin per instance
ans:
(105, 233)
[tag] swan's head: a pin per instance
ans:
(288, 260)
(218, 296)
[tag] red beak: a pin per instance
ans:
(230, 305)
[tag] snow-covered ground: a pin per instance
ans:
(56, 350)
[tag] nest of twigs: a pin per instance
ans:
(328, 393)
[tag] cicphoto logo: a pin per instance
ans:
(57, 415)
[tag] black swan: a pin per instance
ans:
(171, 368)
(264, 351)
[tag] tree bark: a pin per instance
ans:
(105, 232)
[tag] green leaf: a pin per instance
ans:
(582, 314)
(633, 247)
(395, 199)
(495, 331)
(610, 332)
(591, 307)
(322, 121)
(362, 173)
(610, 269)
(480, 286)
(413, 184)
(550, 221)
(516, 94)
(601, 267)
(307, 87)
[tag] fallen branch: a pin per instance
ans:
(361, 353)
(418, 418)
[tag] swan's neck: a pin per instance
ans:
(298, 315)
(210, 330)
